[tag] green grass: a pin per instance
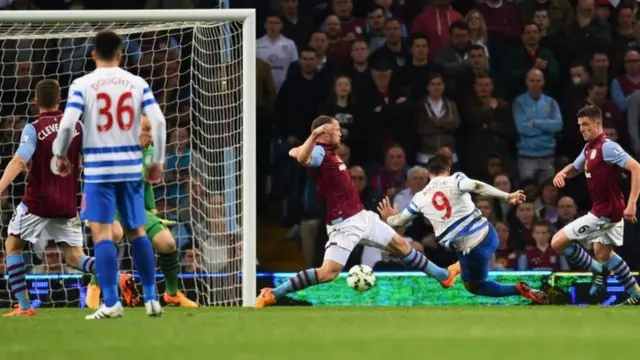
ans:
(327, 333)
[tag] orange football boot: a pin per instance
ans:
(454, 271)
(538, 296)
(93, 296)
(129, 290)
(17, 312)
(179, 300)
(266, 298)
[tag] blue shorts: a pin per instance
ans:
(101, 200)
(475, 264)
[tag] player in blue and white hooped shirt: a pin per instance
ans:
(112, 101)
(446, 202)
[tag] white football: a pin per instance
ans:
(361, 278)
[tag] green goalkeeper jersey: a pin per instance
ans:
(149, 196)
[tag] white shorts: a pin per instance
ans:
(38, 230)
(365, 228)
(590, 228)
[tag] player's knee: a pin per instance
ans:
(328, 271)
(399, 247)
(559, 241)
(101, 232)
(72, 255)
(136, 233)
(13, 245)
(117, 232)
(603, 253)
(164, 243)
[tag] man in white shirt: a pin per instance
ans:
(276, 49)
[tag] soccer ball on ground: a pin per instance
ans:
(361, 278)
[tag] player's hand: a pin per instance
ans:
(154, 173)
(558, 180)
(385, 209)
(630, 213)
(63, 165)
(517, 197)
(168, 223)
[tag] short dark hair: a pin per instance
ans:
(107, 44)
(477, 47)
(48, 94)
(375, 8)
(438, 164)
(577, 63)
(542, 222)
(526, 25)
(482, 76)
(320, 120)
(419, 36)
(595, 82)
(591, 112)
(305, 49)
(460, 25)
(275, 14)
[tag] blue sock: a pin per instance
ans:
(621, 271)
(495, 289)
(299, 281)
(87, 264)
(416, 260)
(145, 262)
(106, 265)
(576, 255)
(17, 280)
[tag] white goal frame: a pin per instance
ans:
(248, 19)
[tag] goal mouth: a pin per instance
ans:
(200, 65)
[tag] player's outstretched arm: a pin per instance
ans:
(25, 151)
(570, 171)
(72, 113)
(615, 154)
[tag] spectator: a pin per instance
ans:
(485, 205)
(417, 179)
(604, 10)
(477, 65)
(415, 73)
(339, 46)
(626, 84)
(276, 49)
(352, 27)
(567, 212)
(453, 56)
(178, 163)
(599, 64)
(541, 256)
(326, 65)
(490, 121)
(391, 178)
(633, 121)
(549, 201)
(192, 262)
(376, 20)
(478, 34)
(503, 28)
(342, 105)
(394, 51)
(560, 12)
(530, 55)
(435, 21)
(505, 257)
(296, 26)
(538, 119)
(501, 207)
(358, 70)
(624, 33)
(523, 224)
(369, 195)
(437, 118)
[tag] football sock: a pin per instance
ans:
(621, 271)
(145, 260)
(106, 261)
(86, 264)
(576, 255)
(17, 280)
(94, 280)
(170, 266)
(495, 289)
(416, 260)
(299, 281)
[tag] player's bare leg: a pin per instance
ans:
(168, 262)
(17, 277)
(402, 249)
(144, 261)
(619, 268)
(302, 280)
(577, 256)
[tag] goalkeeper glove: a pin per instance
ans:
(168, 223)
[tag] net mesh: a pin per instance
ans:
(195, 71)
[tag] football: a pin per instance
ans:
(361, 278)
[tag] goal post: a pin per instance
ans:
(220, 102)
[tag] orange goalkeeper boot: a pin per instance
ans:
(129, 290)
(454, 271)
(538, 296)
(179, 300)
(17, 312)
(266, 298)
(93, 296)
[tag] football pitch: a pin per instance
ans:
(306, 333)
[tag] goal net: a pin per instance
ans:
(196, 69)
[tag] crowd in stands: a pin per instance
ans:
(492, 84)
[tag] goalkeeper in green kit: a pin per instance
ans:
(161, 237)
